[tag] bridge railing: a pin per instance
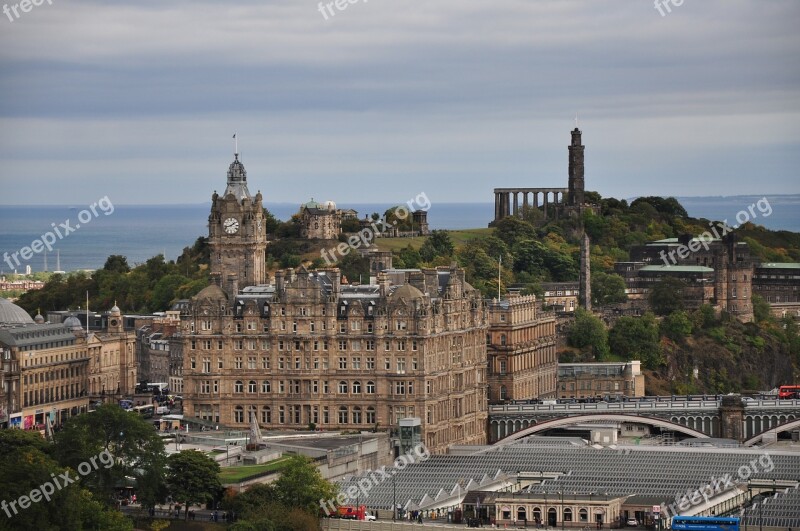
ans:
(639, 406)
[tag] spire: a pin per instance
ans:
(235, 146)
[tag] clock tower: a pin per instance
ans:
(237, 234)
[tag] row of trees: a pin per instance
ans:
(126, 450)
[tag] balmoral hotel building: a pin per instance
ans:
(305, 349)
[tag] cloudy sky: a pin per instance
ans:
(138, 100)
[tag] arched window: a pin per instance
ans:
(343, 387)
(537, 515)
(266, 387)
(370, 388)
(238, 387)
(238, 414)
(343, 415)
(522, 515)
(266, 415)
(583, 515)
(370, 415)
(503, 392)
(502, 339)
(356, 387)
(567, 514)
(251, 386)
(356, 415)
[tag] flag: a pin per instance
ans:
(234, 135)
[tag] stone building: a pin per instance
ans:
(154, 342)
(561, 296)
(237, 234)
(717, 271)
(45, 370)
(777, 283)
(591, 380)
(321, 220)
(521, 349)
(309, 350)
(112, 365)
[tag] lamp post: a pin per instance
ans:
(561, 492)
(394, 500)
(591, 512)
(546, 512)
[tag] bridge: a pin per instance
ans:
(730, 416)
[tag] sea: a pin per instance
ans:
(140, 232)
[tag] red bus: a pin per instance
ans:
(353, 513)
(789, 391)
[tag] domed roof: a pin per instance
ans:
(407, 292)
(115, 309)
(39, 318)
(312, 204)
(12, 315)
(330, 205)
(73, 323)
(213, 292)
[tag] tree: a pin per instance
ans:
(436, 245)
(637, 338)
(676, 326)
(667, 296)
(761, 309)
(301, 485)
(512, 229)
(165, 289)
(193, 478)
(117, 263)
(608, 288)
(588, 332)
(355, 267)
(137, 450)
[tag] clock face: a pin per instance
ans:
(231, 225)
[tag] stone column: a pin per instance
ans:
(546, 199)
(496, 206)
(516, 202)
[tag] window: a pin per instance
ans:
(399, 388)
(370, 388)
(265, 362)
(356, 363)
(192, 363)
(401, 325)
(238, 414)
(251, 386)
(343, 387)
(266, 415)
(370, 364)
(503, 366)
(342, 363)
(356, 415)
(219, 363)
(251, 362)
(206, 365)
(343, 414)
(414, 364)
(266, 387)
(237, 362)
(342, 344)
(281, 362)
(370, 415)
(387, 364)
(401, 365)
(357, 387)
(414, 345)
(238, 387)
(296, 362)
(401, 345)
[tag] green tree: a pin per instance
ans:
(512, 229)
(676, 326)
(137, 450)
(608, 288)
(588, 332)
(302, 486)
(761, 309)
(164, 292)
(271, 223)
(117, 263)
(355, 267)
(193, 478)
(637, 338)
(667, 296)
(438, 244)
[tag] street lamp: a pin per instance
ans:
(394, 499)
(561, 492)
(546, 512)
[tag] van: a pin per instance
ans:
(162, 410)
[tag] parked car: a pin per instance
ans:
(632, 522)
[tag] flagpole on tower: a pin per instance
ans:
(235, 144)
